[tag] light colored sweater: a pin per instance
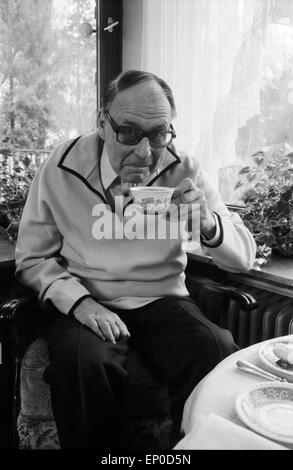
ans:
(60, 259)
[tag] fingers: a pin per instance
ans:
(185, 185)
(122, 328)
(106, 324)
(183, 212)
(103, 329)
(115, 330)
(186, 192)
(93, 325)
(106, 329)
(110, 328)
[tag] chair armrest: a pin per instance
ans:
(19, 323)
(15, 335)
(14, 309)
(246, 300)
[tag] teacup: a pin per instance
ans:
(153, 199)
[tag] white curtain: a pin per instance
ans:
(211, 54)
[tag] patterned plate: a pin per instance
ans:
(271, 362)
(267, 408)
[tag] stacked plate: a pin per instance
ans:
(267, 407)
(272, 362)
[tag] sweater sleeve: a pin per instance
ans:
(37, 255)
(237, 249)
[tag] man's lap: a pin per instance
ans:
(170, 326)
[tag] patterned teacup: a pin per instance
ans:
(153, 199)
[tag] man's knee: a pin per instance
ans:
(217, 341)
(212, 344)
(224, 341)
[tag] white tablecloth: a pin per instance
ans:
(216, 395)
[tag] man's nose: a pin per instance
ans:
(143, 148)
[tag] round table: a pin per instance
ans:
(217, 392)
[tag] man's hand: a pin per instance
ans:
(187, 193)
(104, 323)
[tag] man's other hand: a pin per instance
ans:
(105, 324)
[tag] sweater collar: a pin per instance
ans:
(83, 158)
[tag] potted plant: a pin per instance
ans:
(265, 188)
(16, 173)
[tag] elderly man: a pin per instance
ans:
(109, 295)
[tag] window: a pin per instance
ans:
(51, 80)
(47, 72)
(230, 65)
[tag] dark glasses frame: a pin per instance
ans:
(139, 133)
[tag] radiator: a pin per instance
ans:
(273, 318)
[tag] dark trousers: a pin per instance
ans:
(88, 376)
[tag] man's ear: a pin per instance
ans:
(101, 124)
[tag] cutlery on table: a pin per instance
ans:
(254, 370)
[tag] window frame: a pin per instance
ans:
(108, 44)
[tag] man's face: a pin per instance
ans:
(146, 107)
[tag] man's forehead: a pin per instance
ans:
(146, 99)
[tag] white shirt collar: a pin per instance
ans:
(108, 175)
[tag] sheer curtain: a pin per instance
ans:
(211, 53)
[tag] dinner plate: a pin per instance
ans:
(267, 408)
(271, 361)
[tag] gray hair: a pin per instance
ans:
(131, 78)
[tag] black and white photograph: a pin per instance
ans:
(146, 230)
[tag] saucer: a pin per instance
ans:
(267, 408)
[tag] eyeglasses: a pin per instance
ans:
(127, 135)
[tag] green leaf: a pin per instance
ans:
(281, 205)
(244, 170)
(264, 250)
(286, 196)
(238, 185)
(258, 158)
(251, 176)
(265, 237)
(270, 167)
